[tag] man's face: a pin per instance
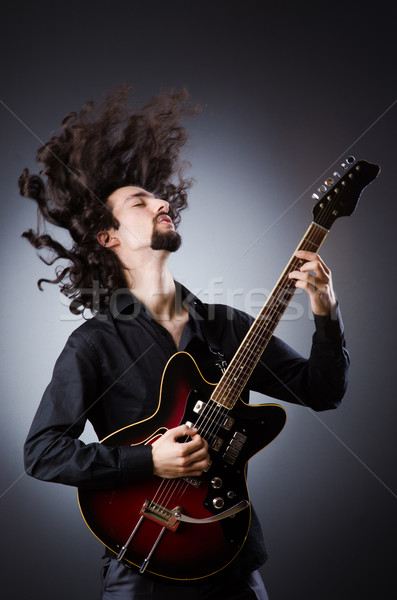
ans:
(144, 221)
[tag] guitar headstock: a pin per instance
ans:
(341, 193)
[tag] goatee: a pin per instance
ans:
(166, 240)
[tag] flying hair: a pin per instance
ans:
(99, 149)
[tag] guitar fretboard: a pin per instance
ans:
(258, 336)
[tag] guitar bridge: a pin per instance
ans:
(160, 515)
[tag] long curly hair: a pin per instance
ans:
(99, 149)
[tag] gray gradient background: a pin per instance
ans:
(291, 90)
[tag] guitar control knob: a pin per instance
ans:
(216, 483)
(218, 502)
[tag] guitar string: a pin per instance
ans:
(175, 485)
(315, 237)
(273, 310)
(267, 316)
(258, 335)
(259, 332)
(219, 409)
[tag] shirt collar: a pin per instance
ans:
(124, 302)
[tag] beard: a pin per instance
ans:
(166, 240)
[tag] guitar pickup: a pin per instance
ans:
(227, 423)
(215, 443)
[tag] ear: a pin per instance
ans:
(106, 239)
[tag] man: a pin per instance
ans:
(114, 180)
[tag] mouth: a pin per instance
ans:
(164, 218)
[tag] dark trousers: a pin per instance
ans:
(121, 583)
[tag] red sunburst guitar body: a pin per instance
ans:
(185, 551)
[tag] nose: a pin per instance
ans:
(161, 206)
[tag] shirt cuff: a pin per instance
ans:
(135, 461)
(329, 328)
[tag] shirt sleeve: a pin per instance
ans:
(319, 381)
(52, 450)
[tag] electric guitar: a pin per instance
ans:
(190, 528)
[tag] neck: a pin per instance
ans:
(152, 284)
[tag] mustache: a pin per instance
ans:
(162, 214)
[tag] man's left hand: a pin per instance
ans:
(315, 278)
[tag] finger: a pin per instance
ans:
(310, 288)
(202, 440)
(306, 255)
(312, 257)
(310, 283)
(198, 455)
(299, 275)
(197, 461)
(305, 281)
(314, 291)
(196, 444)
(198, 468)
(316, 266)
(304, 277)
(180, 431)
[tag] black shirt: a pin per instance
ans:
(110, 371)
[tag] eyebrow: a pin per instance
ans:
(141, 194)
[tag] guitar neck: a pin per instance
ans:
(258, 336)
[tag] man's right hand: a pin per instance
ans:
(172, 459)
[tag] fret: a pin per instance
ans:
(251, 349)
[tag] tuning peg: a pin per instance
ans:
(315, 197)
(322, 189)
(349, 161)
(329, 181)
(336, 174)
